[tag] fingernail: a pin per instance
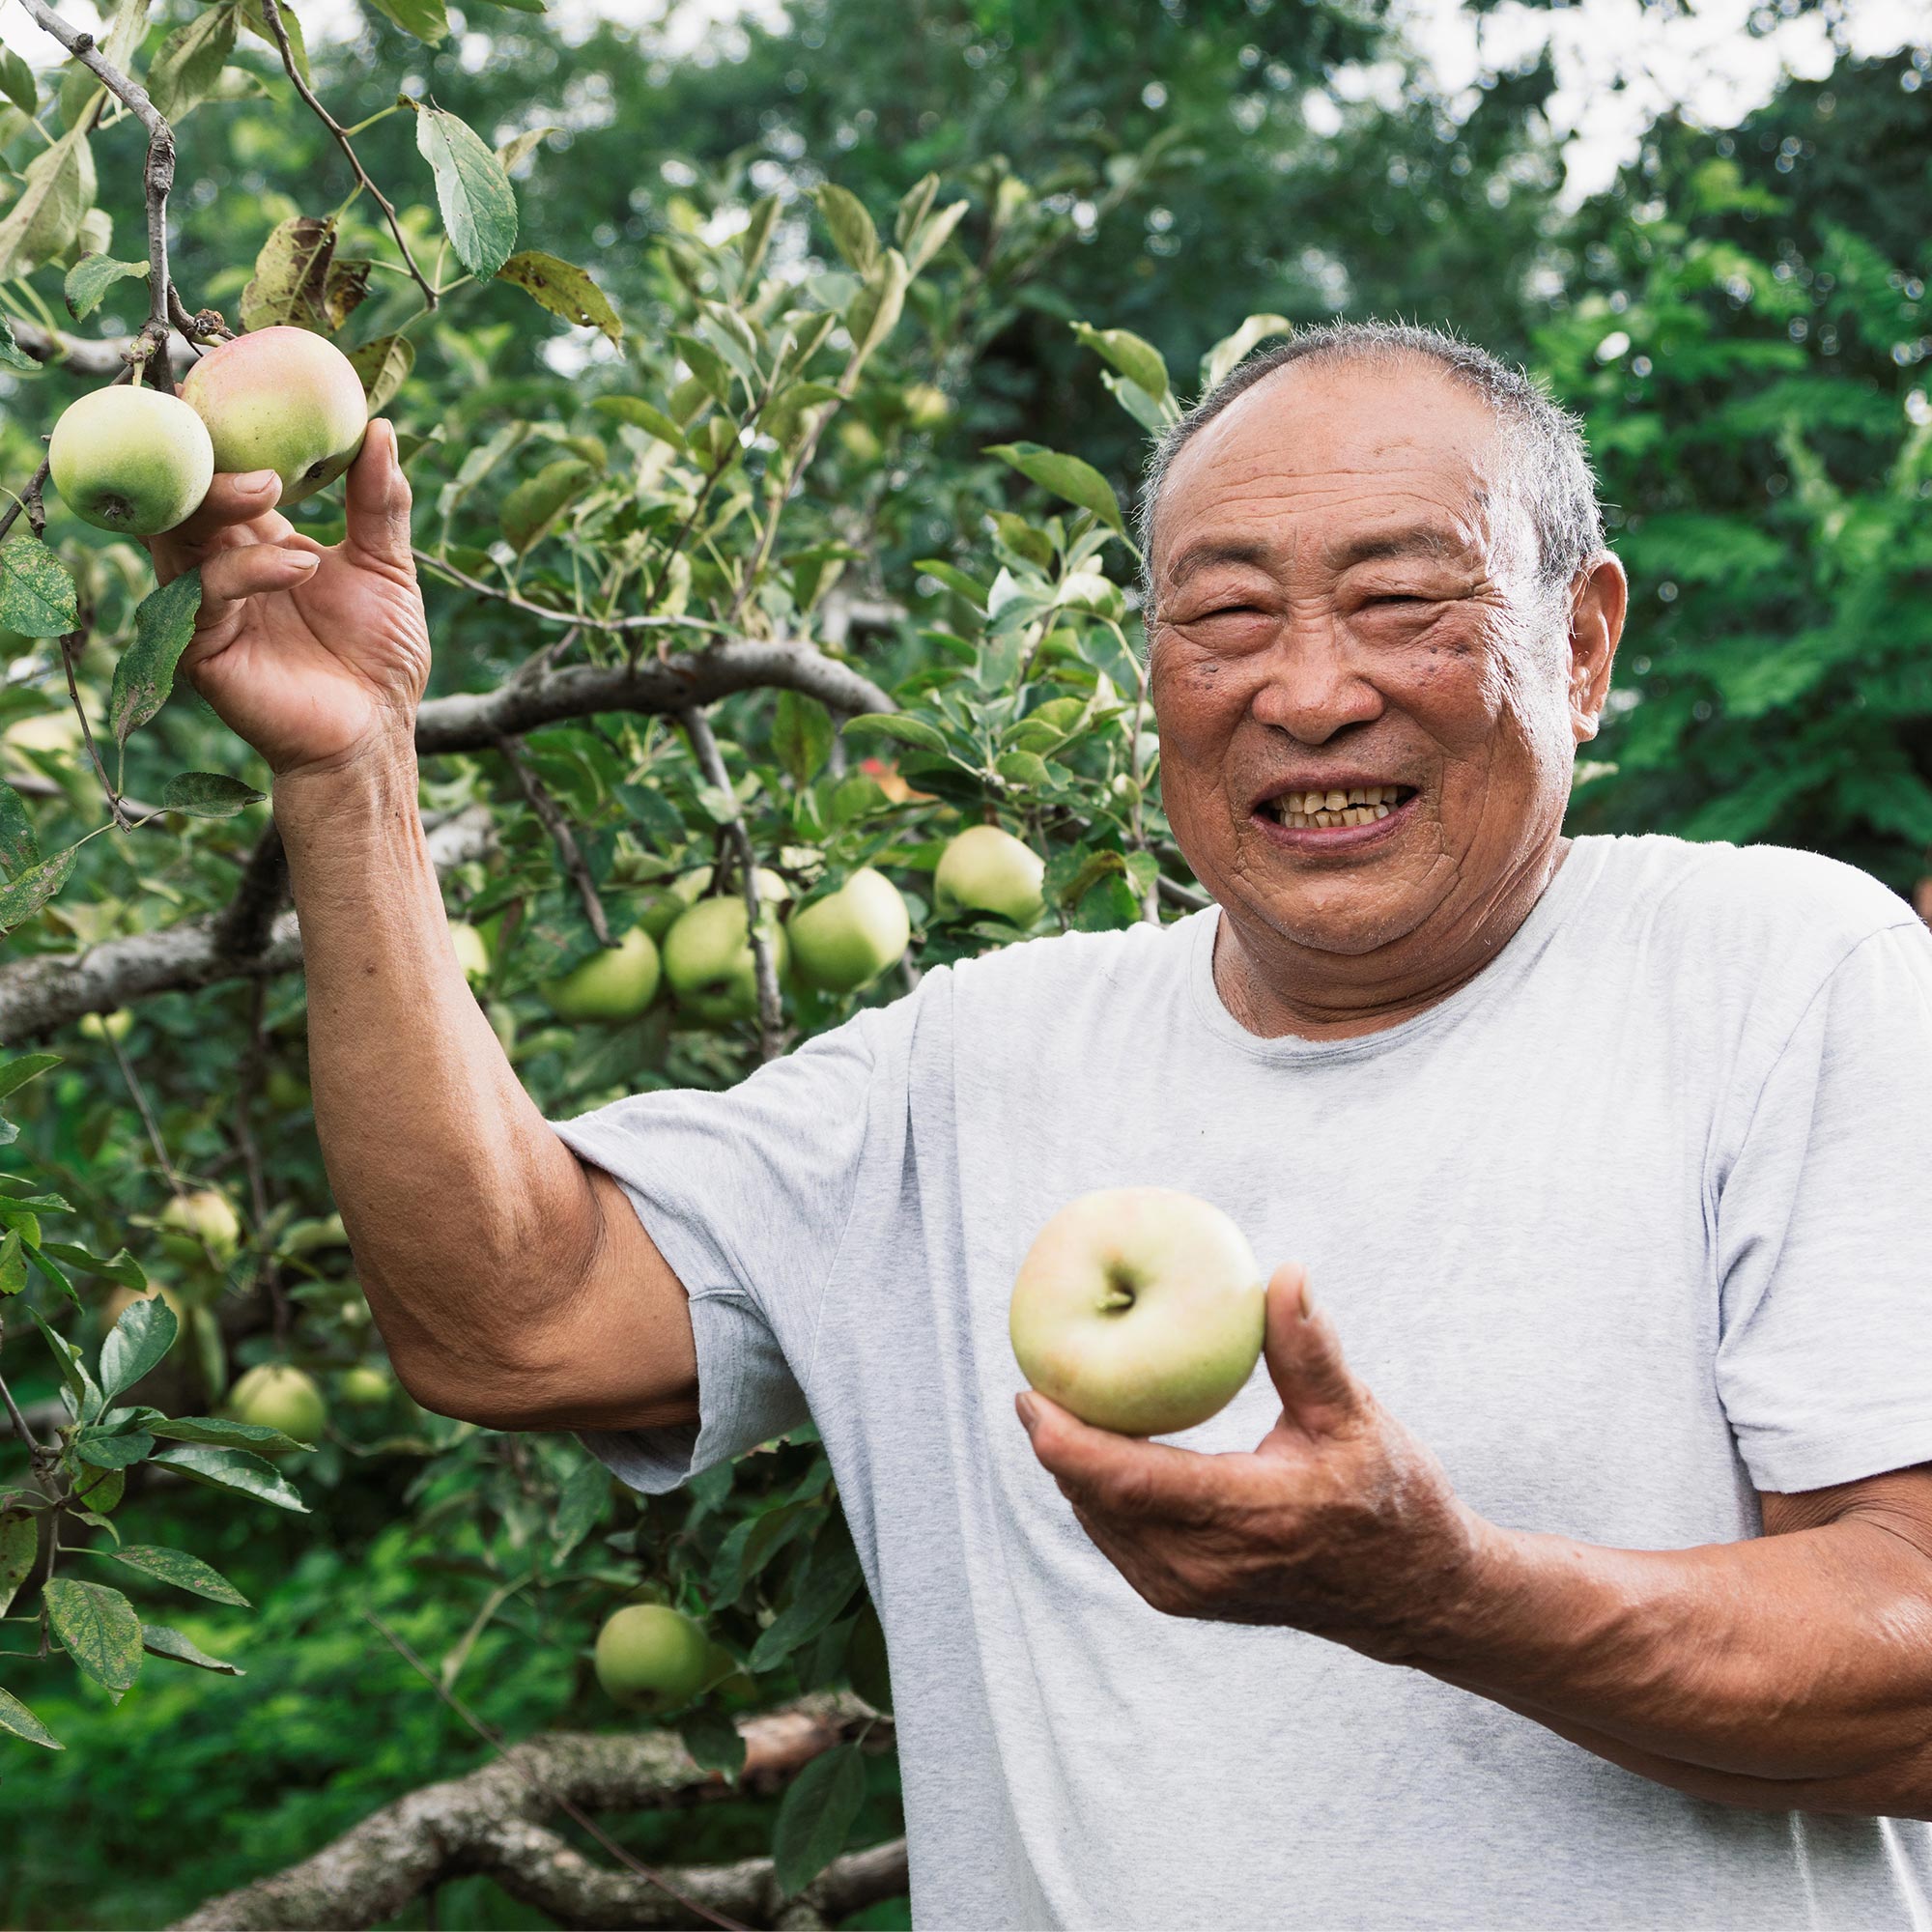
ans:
(1029, 1411)
(254, 481)
(1307, 1300)
(304, 560)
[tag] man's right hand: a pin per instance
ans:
(314, 654)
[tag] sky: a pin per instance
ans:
(1695, 56)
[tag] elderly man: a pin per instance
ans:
(1593, 1588)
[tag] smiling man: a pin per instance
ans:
(1593, 1585)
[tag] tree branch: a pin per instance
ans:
(562, 836)
(104, 357)
(576, 619)
(491, 1822)
(150, 348)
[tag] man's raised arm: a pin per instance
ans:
(513, 1283)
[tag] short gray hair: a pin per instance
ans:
(1549, 460)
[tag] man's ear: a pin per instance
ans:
(1597, 607)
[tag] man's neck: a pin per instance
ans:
(1273, 986)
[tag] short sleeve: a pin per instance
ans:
(1825, 1234)
(746, 1194)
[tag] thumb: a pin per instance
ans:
(379, 499)
(1304, 1358)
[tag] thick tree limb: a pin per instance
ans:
(491, 1822)
(50, 989)
(102, 357)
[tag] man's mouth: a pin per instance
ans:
(1319, 811)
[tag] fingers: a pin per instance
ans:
(250, 570)
(1117, 1475)
(379, 499)
(1304, 1357)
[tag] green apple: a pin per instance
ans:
(122, 1299)
(281, 399)
(1140, 1309)
(708, 960)
(865, 1661)
(652, 1657)
(106, 1026)
(201, 1226)
(691, 886)
(926, 405)
(848, 938)
(365, 1386)
(46, 731)
(984, 869)
(472, 950)
(275, 1396)
(616, 982)
(130, 460)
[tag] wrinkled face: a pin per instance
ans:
(1367, 712)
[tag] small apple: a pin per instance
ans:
(708, 960)
(1140, 1309)
(472, 950)
(691, 886)
(281, 399)
(122, 1299)
(365, 1386)
(848, 938)
(106, 1026)
(201, 1226)
(275, 1396)
(652, 1657)
(926, 405)
(984, 869)
(130, 460)
(616, 982)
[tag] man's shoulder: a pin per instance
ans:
(1057, 961)
(1774, 897)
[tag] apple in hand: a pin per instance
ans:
(708, 960)
(281, 399)
(130, 460)
(275, 1396)
(1139, 1309)
(616, 982)
(652, 1657)
(847, 939)
(984, 869)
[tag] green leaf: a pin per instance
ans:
(209, 795)
(705, 363)
(122, 1268)
(562, 289)
(145, 1333)
(19, 1546)
(1154, 415)
(182, 1571)
(116, 1449)
(873, 313)
(479, 206)
(56, 190)
(755, 237)
(35, 589)
(934, 232)
(820, 1806)
(640, 415)
(98, 1629)
(290, 285)
(11, 354)
(715, 1743)
(1136, 359)
(586, 1489)
(16, 1074)
(830, 1585)
(159, 1640)
(25, 895)
(1023, 768)
(1066, 476)
(513, 153)
(1224, 354)
(895, 724)
(236, 1470)
(534, 505)
(19, 847)
(16, 82)
(426, 20)
(189, 63)
(15, 1716)
(91, 277)
(256, 20)
(384, 366)
(801, 735)
(852, 234)
(74, 1371)
(144, 673)
(219, 1431)
(954, 579)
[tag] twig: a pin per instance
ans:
(711, 761)
(576, 619)
(18, 1420)
(139, 1094)
(1176, 893)
(30, 495)
(272, 13)
(554, 823)
(244, 926)
(149, 350)
(268, 1273)
(102, 357)
(70, 649)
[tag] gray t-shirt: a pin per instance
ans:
(1638, 1221)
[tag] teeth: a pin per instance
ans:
(1359, 796)
(1357, 806)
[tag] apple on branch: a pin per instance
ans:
(132, 461)
(615, 983)
(275, 1396)
(847, 939)
(1139, 1310)
(651, 1658)
(709, 962)
(984, 869)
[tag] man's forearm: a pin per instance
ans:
(448, 1177)
(1802, 1662)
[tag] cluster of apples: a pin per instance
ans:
(839, 944)
(137, 462)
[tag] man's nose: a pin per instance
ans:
(1310, 684)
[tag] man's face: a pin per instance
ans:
(1346, 603)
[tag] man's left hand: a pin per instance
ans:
(1339, 1523)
